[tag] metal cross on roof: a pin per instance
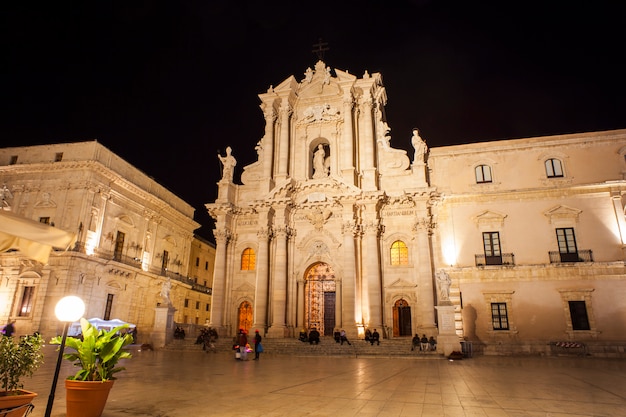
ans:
(319, 48)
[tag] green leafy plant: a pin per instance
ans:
(18, 360)
(97, 352)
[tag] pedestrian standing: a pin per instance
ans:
(258, 348)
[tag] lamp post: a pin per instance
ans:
(68, 310)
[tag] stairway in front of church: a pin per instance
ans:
(397, 348)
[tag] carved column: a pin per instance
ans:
(283, 144)
(426, 304)
(222, 236)
(348, 283)
(262, 280)
(268, 141)
(367, 157)
(339, 304)
(347, 151)
(300, 309)
(371, 274)
(279, 283)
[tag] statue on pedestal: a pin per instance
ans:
(443, 282)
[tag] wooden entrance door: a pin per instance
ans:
(401, 318)
(244, 316)
(320, 298)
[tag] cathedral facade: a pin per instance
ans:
(510, 243)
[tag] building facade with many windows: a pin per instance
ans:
(532, 233)
(134, 237)
(515, 245)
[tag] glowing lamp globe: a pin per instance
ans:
(69, 309)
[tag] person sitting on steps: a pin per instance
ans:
(314, 336)
(415, 342)
(375, 338)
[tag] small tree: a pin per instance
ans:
(18, 360)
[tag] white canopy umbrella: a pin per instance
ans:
(30, 237)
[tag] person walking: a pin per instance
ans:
(258, 348)
(9, 329)
(343, 337)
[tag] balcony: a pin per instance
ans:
(584, 255)
(506, 259)
(182, 278)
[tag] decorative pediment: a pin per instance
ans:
(563, 215)
(245, 288)
(401, 283)
(489, 220)
(170, 239)
(126, 220)
(45, 201)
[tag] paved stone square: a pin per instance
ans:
(189, 384)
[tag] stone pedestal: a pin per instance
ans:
(447, 341)
(163, 331)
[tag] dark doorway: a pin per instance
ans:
(329, 313)
(402, 319)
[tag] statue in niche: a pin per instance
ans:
(320, 164)
(419, 145)
(228, 164)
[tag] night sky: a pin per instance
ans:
(165, 85)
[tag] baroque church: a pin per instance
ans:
(513, 246)
(516, 245)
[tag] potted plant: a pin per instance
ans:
(97, 353)
(16, 361)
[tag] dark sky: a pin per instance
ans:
(165, 85)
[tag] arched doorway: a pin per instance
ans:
(401, 318)
(320, 298)
(244, 316)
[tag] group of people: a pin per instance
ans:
(207, 338)
(179, 333)
(372, 337)
(242, 347)
(340, 337)
(423, 344)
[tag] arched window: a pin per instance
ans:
(399, 253)
(248, 260)
(554, 168)
(483, 174)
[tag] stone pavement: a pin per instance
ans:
(190, 384)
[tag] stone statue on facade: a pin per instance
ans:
(228, 164)
(443, 282)
(320, 168)
(420, 147)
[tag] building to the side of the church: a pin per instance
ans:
(134, 242)
(515, 245)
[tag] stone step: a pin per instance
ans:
(400, 347)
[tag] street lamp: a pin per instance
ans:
(68, 310)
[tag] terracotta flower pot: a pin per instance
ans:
(86, 398)
(10, 401)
